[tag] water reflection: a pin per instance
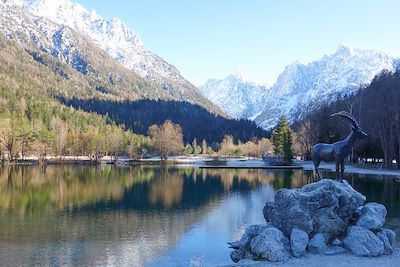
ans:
(79, 215)
(37, 190)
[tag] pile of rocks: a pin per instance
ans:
(326, 217)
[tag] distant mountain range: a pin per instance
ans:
(106, 60)
(107, 53)
(300, 87)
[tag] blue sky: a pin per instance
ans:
(211, 38)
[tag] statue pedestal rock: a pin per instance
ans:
(327, 217)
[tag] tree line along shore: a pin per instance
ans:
(32, 125)
(22, 141)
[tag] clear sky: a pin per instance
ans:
(211, 38)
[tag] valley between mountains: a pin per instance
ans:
(101, 60)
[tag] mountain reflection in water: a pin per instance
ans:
(82, 215)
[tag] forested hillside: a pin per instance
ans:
(72, 54)
(195, 121)
(34, 123)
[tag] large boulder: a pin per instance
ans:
(317, 244)
(287, 217)
(362, 242)
(328, 221)
(372, 216)
(390, 235)
(326, 206)
(271, 245)
(298, 242)
(237, 255)
(250, 232)
(387, 247)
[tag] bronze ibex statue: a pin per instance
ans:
(340, 150)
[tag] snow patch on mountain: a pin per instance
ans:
(303, 87)
(51, 38)
(300, 88)
(113, 36)
(236, 95)
(69, 32)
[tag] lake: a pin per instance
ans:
(145, 215)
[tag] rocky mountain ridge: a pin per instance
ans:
(89, 44)
(300, 87)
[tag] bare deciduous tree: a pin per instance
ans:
(306, 137)
(60, 129)
(204, 147)
(167, 139)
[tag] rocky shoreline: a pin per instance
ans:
(322, 218)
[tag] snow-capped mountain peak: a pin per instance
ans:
(345, 49)
(300, 86)
(57, 27)
(236, 95)
(105, 33)
(113, 36)
(319, 82)
(240, 75)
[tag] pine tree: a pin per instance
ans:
(282, 140)
(287, 146)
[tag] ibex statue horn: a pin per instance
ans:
(347, 116)
(337, 151)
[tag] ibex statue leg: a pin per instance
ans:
(318, 174)
(342, 169)
(337, 171)
(316, 165)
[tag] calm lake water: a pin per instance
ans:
(144, 216)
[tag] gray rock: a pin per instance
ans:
(390, 235)
(241, 247)
(270, 245)
(362, 242)
(388, 249)
(326, 206)
(249, 255)
(334, 250)
(287, 218)
(329, 222)
(342, 188)
(317, 244)
(372, 216)
(250, 232)
(237, 255)
(337, 242)
(298, 242)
